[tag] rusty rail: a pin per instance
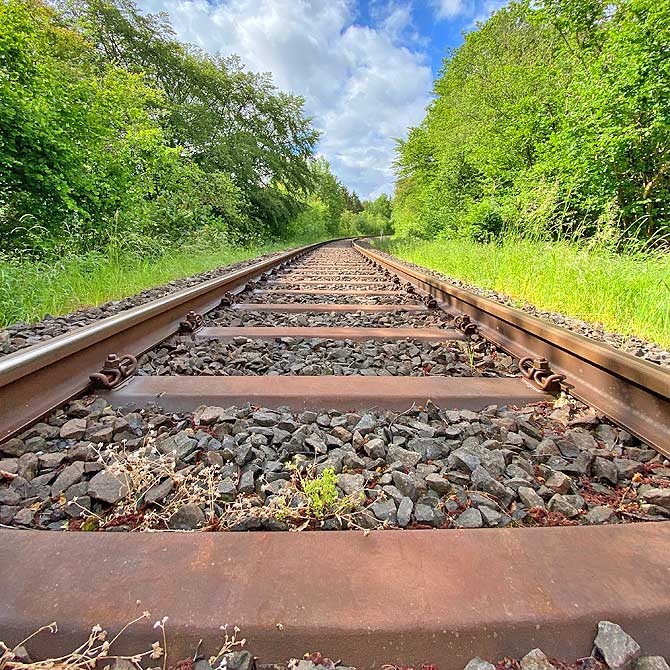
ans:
(36, 380)
(633, 393)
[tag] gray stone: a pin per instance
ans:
(406, 484)
(265, 419)
(73, 429)
(605, 470)
(182, 445)
(187, 517)
(404, 514)
(438, 483)
(27, 466)
(208, 415)
(529, 497)
(464, 459)
(581, 438)
(559, 504)
(600, 514)
(247, 483)
(657, 496)
(9, 496)
(482, 481)
(408, 458)
(375, 448)
(479, 664)
(24, 517)
(470, 518)
(558, 483)
(352, 485)
(491, 516)
(236, 660)
(70, 475)
(618, 649)
(424, 514)
(627, 467)
(651, 663)
(9, 465)
(366, 424)
(14, 447)
(159, 492)
(384, 510)
(107, 487)
(536, 660)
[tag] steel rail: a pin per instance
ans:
(37, 379)
(631, 392)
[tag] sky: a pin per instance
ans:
(364, 68)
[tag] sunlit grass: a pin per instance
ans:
(627, 293)
(31, 289)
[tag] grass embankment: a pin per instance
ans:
(29, 289)
(627, 293)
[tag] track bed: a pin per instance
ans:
(449, 506)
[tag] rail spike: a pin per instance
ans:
(192, 322)
(227, 300)
(465, 324)
(115, 370)
(538, 371)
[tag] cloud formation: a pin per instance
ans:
(363, 85)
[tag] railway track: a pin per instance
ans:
(222, 406)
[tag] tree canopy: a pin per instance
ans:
(108, 121)
(553, 118)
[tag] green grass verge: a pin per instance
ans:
(31, 289)
(627, 293)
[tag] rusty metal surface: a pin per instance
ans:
(333, 282)
(324, 307)
(35, 380)
(630, 391)
(405, 597)
(316, 291)
(355, 392)
(356, 334)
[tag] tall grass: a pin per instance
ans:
(30, 289)
(627, 292)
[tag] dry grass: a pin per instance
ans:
(96, 650)
(306, 500)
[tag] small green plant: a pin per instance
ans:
(321, 493)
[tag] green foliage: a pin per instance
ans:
(321, 493)
(32, 287)
(628, 292)
(553, 117)
(108, 122)
(373, 219)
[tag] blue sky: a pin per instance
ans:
(365, 68)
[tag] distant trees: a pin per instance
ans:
(373, 218)
(552, 118)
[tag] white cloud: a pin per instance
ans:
(361, 85)
(448, 9)
(475, 10)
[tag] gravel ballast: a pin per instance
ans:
(249, 318)
(91, 467)
(315, 356)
